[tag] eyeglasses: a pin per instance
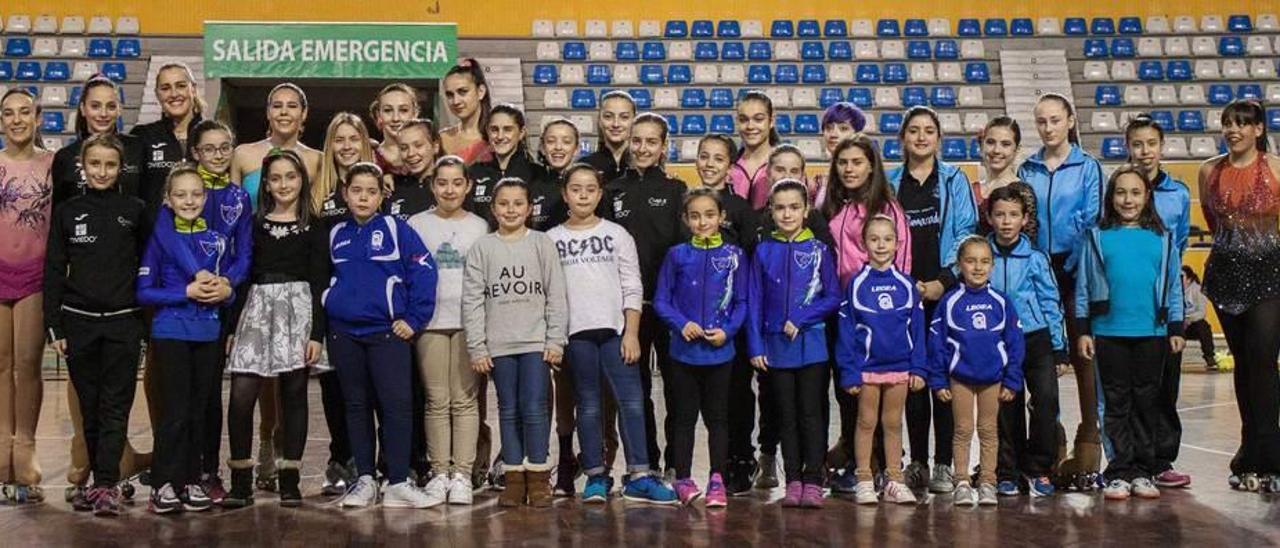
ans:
(210, 150)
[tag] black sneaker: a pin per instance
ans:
(164, 501)
(82, 499)
(741, 472)
(566, 473)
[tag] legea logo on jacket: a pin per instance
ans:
(375, 241)
(884, 301)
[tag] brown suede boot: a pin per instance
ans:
(514, 494)
(539, 486)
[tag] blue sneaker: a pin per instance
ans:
(844, 482)
(1007, 488)
(649, 489)
(1040, 487)
(597, 489)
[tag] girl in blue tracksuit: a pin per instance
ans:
(975, 343)
(793, 290)
(1025, 274)
(1129, 308)
(1068, 186)
(1145, 138)
(938, 203)
(701, 297)
(880, 353)
(382, 292)
(182, 275)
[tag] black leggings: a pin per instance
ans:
(1129, 370)
(655, 338)
(293, 410)
(1200, 330)
(1033, 452)
(705, 389)
(1253, 337)
(799, 395)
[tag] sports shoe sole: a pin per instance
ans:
(674, 502)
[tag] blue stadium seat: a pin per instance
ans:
(733, 51)
(896, 73)
(676, 29)
(73, 98)
(627, 51)
(546, 75)
(654, 51)
(890, 123)
(916, 27)
(706, 51)
(1273, 119)
(114, 71)
(759, 51)
(1106, 96)
(1095, 48)
(868, 74)
(969, 27)
(1074, 26)
(808, 28)
(722, 123)
(1220, 94)
(976, 72)
(814, 74)
(861, 97)
(913, 96)
(840, 50)
(943, 97)
(888, 28)
(1130, 25)
(835, 28)
(1022, 26)
(1251, 92)
(1122, 48)
(693, 124)
(812, 51)
(829, 96)
(786, 74)
(1102, 25)
(679, 74)
(702, 28)
(782, 123)
(721, 98)
(28, 71)
(129, 48)
(599, 75)
(946, 49)
(6, 70)
(782, 28)
(673, 123)
(995, 27)
(651, 75)
(1150, 71)
(57, 71)
(1230, 46)
(1113, 148)
(892, 149)
(918, 49)
(53, 122)
(643, 97)
(728, 28)
(1164, 118)
(759, 74)
(1239, 23)
(574, 51)
(673, 151)
(1179, 71)
(1191, 121)
(17, 47)
(807, 124)
(583, 99)
(693, 98)
(954, 149)
(975, 149)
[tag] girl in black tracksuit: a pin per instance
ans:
(505, 132)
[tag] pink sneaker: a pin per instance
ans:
(795, 491)
(716, 496)
(687, 491)
(812, 496)
(1173, 479)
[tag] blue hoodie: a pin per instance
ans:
(881, 327)
(1173, 205)
(957, 208)
(1025, 274)
(975, 339)
(704, 282)
(1068, 199)
(163, 278)
(1093, 292)
(382, 272)
(791, 281)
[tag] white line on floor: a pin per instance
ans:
(1207, 450)
(1206, 406)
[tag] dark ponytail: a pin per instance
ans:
(470, 67)
(1073, 135)
(758, 95)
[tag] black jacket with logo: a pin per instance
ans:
(649, 206)
(68, 178)
(161, 150)
(485, 176)
(605, 163)
(409, 197)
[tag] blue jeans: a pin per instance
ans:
(523, 382)
(590, 354)
(375, 370)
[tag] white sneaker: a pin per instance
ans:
(406, 494)
(460, 489)
(898, 493)
(964, 495)
(437, 490)
(361, 494)
(865, 493)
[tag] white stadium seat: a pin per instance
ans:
(865, 49)
(975, 122)
(786, 50)
(804, 97)
(1175, 148)
(1207, 69)
(752, 28)
(1235, 69)
(733, 74)
(1184, 24)
(1258, 45)
(1103, 122)
(1123, 70)
(596, 28)
(1203, 147)
(555, 99)
(1157, 24)
(600, 51)
(72, 47)
(887, 98)
(1136, 95)
(665, 99)
(950, 72)
(939, 26)
(18, 24)
(893, 49)
(1150, 47)
(922, 72)
(1192, 94)
(706, 74)
(1096, 71)
(1048, 26)
(127, 25)
(679, 50)
(1213, 120)
(45, 47)
(780, 97)
(972, 49)
(1211, 23)
(547, 51)
(841, 73)
(585, 124)
(862, 28)
(1164, 95)
(1177, 46)
(45, 24)
(622, 28)
(1266, 23)
(1204, 46)
(650, 28)
(543, 28)
(72, 24)
(573, 75)
(53, 96)
(99, 25)
(566, 28)
(951, 123)
(970, 96)
(624, 75)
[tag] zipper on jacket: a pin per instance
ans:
(1049, 212)
(702, 303)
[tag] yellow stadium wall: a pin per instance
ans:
(514, 17)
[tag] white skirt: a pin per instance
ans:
(274, 330)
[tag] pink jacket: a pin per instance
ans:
(846, 230)
(752, 186)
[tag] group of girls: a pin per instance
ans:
(913, 291)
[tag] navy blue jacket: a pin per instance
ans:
(975, 339)
(382, 272)
(791, 281)
(163, 280)
(705, 284)
(881, 327)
